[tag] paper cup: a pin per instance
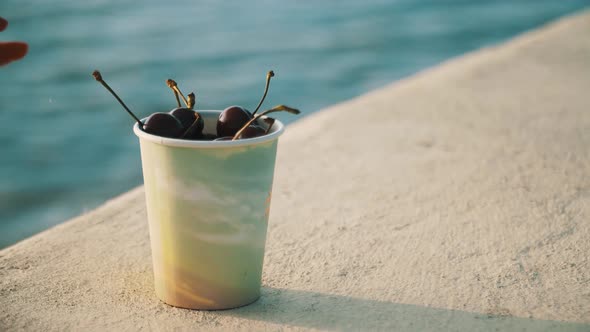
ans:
(207, 206)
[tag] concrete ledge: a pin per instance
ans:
(458, 199)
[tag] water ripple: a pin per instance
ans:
(70, 146)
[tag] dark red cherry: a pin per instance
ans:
(231, 120)
(163, 124)
(252, 131)
(278, 108)
(186, 117)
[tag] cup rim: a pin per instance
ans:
(280, 128)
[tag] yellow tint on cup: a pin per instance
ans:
(207, 205)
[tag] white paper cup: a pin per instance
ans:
(207, 205)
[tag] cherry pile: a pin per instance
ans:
(234, 122)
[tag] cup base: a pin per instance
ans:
(207, 307)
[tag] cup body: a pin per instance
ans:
(207, 206)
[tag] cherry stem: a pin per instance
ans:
(197, 116)
(191, 100)
(98, 77)
(270, 122)
(177, 98)
(172, 85)
(268, 76)
(278, 108)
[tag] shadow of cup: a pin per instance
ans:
(323, 311)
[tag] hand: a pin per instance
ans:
(13, 50)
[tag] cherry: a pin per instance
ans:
(278, 108)
(187, 117)
(252, 131)
(163, 124)
(269, 122)
(234, 122)
(192, 122)
(184, 115)
(235, 117)
(231, 120)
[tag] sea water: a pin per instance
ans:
(66, 146)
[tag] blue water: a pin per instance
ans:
(66, 146)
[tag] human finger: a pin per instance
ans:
(11, 51)
(3, 24)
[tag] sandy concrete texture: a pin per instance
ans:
(457, 199)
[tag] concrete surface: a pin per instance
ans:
(457, 199)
